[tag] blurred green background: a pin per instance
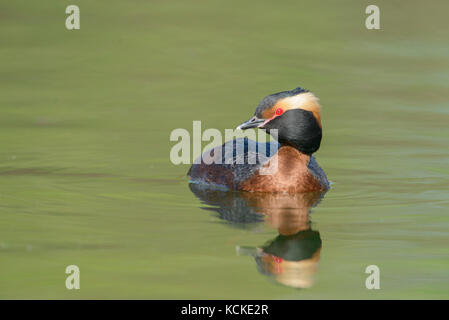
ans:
(85, 118)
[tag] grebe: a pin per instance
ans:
(296, 114)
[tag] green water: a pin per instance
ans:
(85, 118)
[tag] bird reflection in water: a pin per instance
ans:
(291, 258)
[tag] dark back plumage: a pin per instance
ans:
(240, 159)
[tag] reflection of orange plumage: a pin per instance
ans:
(292, 257)
(297, 274)
(289, 213)
(296, 118)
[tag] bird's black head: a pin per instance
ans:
(295, 114)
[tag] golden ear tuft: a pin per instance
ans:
(306, 101)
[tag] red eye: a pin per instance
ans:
(277, 259)
(279, 111)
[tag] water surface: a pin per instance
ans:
(85, 174)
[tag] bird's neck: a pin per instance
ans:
(292, 159)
